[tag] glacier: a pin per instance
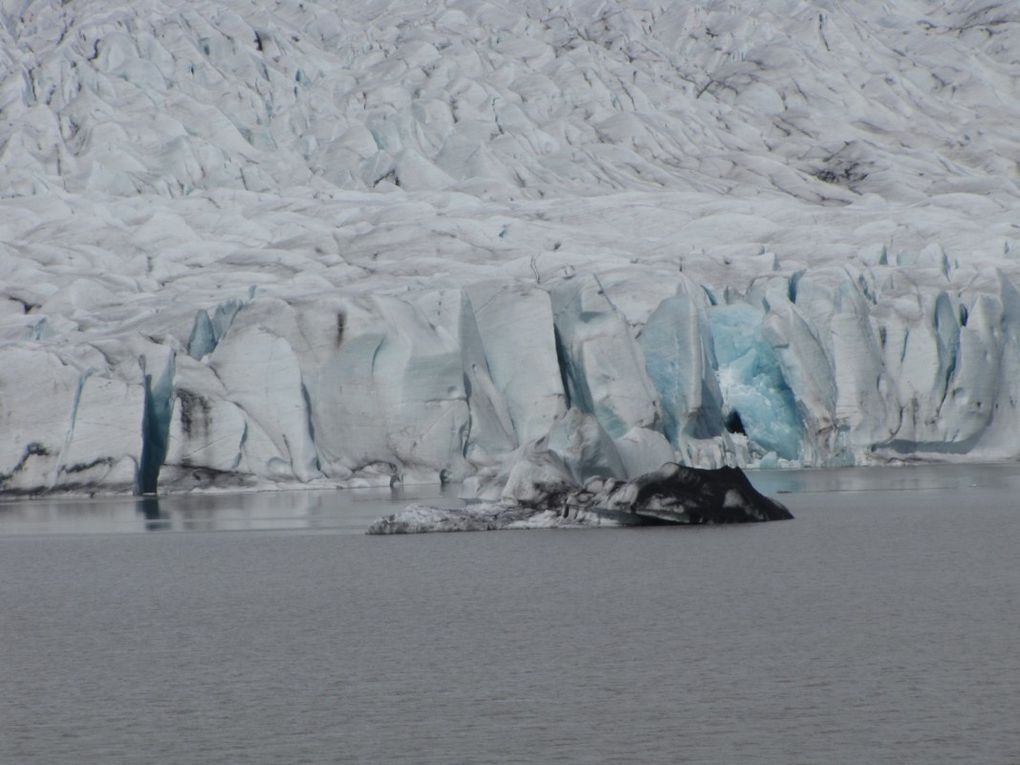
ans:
(256, 245)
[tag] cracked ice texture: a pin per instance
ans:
(359, 241)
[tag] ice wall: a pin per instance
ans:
(835, 367)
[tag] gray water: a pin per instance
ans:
(880, 626)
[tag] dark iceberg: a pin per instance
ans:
(673, 494)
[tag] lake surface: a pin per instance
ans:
(881, 626)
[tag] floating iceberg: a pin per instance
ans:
(670, 495)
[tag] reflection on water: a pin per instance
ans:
(344, 511)
(879, 627)
(888, 478)
(351, 511)
(155, 519)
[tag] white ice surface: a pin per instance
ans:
(365, 242)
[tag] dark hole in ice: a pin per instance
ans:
(734, 424)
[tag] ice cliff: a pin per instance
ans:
(251, 244)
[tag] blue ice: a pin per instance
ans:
(752, 383)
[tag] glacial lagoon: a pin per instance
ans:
(878, 627)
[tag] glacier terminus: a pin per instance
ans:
(252, 245)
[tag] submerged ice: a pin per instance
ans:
(338, 244)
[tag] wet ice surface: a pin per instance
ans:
(878, 627)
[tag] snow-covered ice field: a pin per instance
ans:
(344, 243)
